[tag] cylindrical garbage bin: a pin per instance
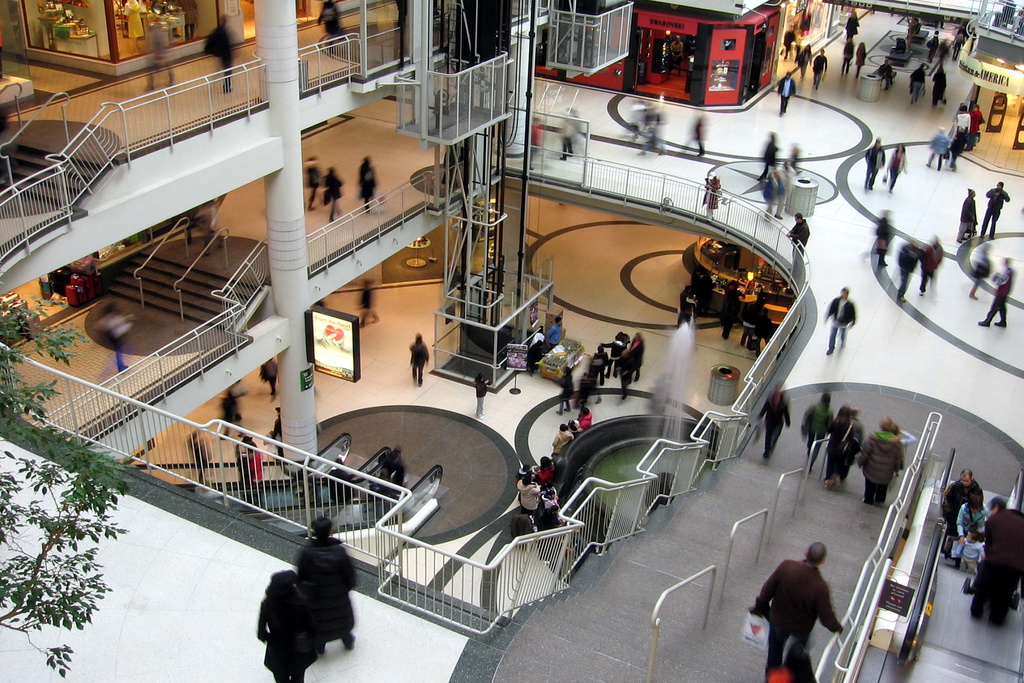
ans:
(803, 197)
(725, 382)
(869, 87)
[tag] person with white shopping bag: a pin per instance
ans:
(792, 599)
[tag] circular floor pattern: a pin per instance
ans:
(479, 465)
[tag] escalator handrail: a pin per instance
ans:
(922, 598)
(947, 474)
(1013, 502)
(373, 465)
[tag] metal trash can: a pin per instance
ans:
(869, 88)
(803, 197)
(725, 383)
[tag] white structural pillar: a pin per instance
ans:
(277, 44)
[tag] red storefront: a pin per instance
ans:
(692, 57)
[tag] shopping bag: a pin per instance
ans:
(755, 631)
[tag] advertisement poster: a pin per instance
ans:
(333, 342)
(516, 356)
(534, 316)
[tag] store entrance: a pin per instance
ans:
(756, 63)
(664, 64)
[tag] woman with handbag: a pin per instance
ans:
(286, 625)
(844, 438)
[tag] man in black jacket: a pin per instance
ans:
(792, 599)
(843, 315)
(326, 576)
(996, 198)
(953, 498)
(1000, 573)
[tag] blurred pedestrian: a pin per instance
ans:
(218, 44)
(848, 52)
(1004, 283)
(769, 156)
(312, 180)
(420, 355)
(897, 165)
(158, 44)
(286, 625)
(939, 86)
(115, 325)
(366, 304)
(803, 59)
(568, 132)
(565, 395)
(931, 259)
(698, 134)
(332, 191)
(774, 415)
(268, 374)
(909, 256)
(883, 235)
(367, 181)
(981, 267)
(875, 159)
(917, 78)
(816, 420)
(326, 576)
(860, 58)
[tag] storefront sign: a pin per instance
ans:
(332, 342)
(662, 22)
(992, 76)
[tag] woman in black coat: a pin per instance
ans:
(327, 576)
(367, 181)
(287, 627)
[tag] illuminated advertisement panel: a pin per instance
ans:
(332, 342)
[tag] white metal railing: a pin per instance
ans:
(182, 225)
(123, 129)
(1002, 20)
(656, 613)
(340, 238)
(11, 145)
(844, 652)
(327, 63)
(449, 107)
(223, 233)
(251, 276)
(588, 43)
(960, 8)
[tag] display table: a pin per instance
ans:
(566, 355)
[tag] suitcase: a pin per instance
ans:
(74, 295)
(83, 283)
(97, 284)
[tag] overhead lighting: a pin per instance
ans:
(1001, 61)
(1020, 67)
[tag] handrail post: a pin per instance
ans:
(775, 502)
(732, 538)
(656, 618)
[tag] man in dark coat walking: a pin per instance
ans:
(326, 576)
(218, 44)
(792, 599)
(1000, 573)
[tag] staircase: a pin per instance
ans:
(158, 280)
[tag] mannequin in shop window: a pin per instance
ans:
(133, 11)
(191, 17)
(677, 50)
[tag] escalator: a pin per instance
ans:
(941, 641)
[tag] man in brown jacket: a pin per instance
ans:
(1000, 573)
(792, 599)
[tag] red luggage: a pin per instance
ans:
(97, 284)
(74, 295)
(83, 283)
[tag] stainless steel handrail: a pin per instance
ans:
(732, 537)
(206, 248)
(656, 618)
(778, 493)
(181, 223)
(12, 143)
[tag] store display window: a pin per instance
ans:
(115, 30)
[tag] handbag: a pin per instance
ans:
(303, 642)
(755, 631)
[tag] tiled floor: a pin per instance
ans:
(931, 347)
